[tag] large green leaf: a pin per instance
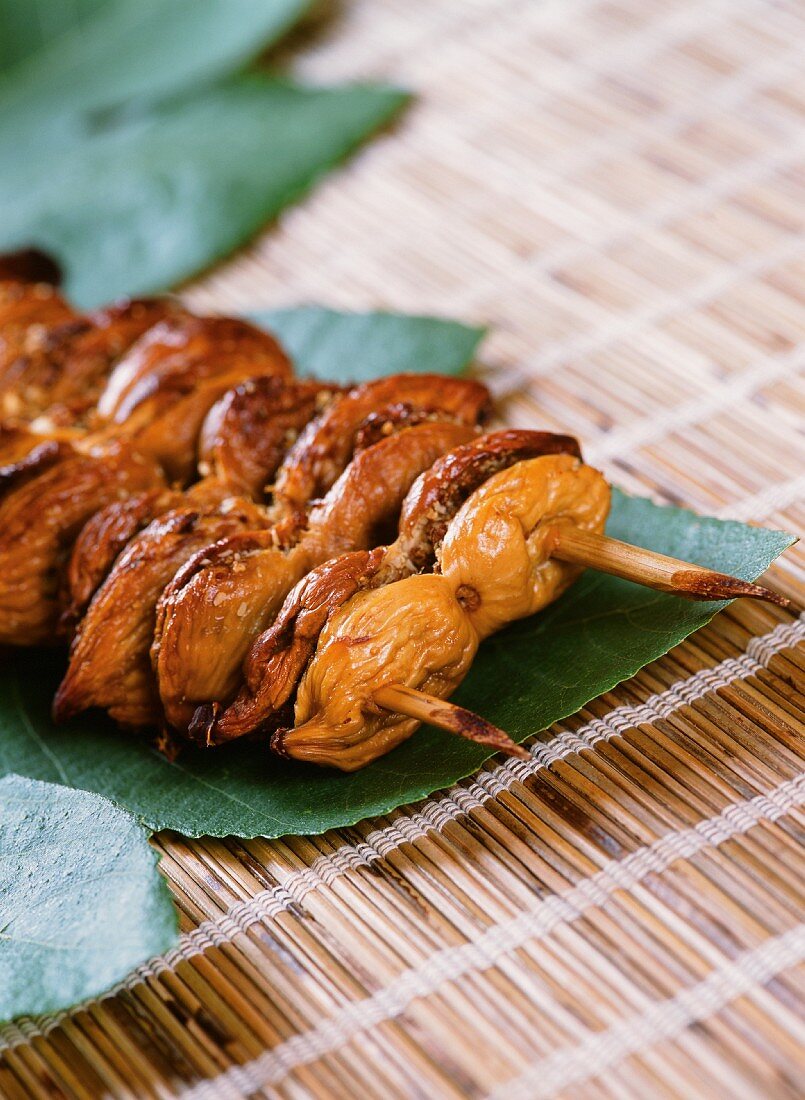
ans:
(119, 52)
(81, 900)
(26, 25)
(601, 632)
(357, 346)
(139, 207)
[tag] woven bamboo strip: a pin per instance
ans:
(618, 188)
(666, 1019)
(503, 938)
(487, 785)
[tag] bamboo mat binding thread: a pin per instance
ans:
(618, 188)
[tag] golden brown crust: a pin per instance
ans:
(41, 515)
(393, 418)
(36, 323)
(102, 538)
(109, 664)
(62, 382)
(228, 596)
(323, 449)
(88, 358)
(54, 360)
(279, 656)
(162, 389)
(248, 431)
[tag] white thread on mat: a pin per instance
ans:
(631, 134)
(661, 1021)
(697, 197)
(774, 498)
(667, 305)
(453, 963)
(573, 73)
(719, 396)
(763, 647)
(413, 825)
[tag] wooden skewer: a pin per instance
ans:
(621, 559)
(654, 570)
(447, 716)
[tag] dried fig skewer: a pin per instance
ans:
(228, 594)
(155, 371)
(120, 620)
(498, 564)
(242, 442)
(277, 659)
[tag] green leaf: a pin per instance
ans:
(358, 346)
(113, 159)
(136, 209)
(536, 672)
(81, 900)
(25, 25)
(122, 51)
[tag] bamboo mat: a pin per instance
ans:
(617, 187)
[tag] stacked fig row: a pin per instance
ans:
(230, 551)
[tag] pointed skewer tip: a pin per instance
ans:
(652, 569)
(447, 716)
(703, 584)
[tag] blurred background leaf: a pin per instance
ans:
(130, 150)
(355, 347)
(142, 206)
(26, 27)
(119, 53)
